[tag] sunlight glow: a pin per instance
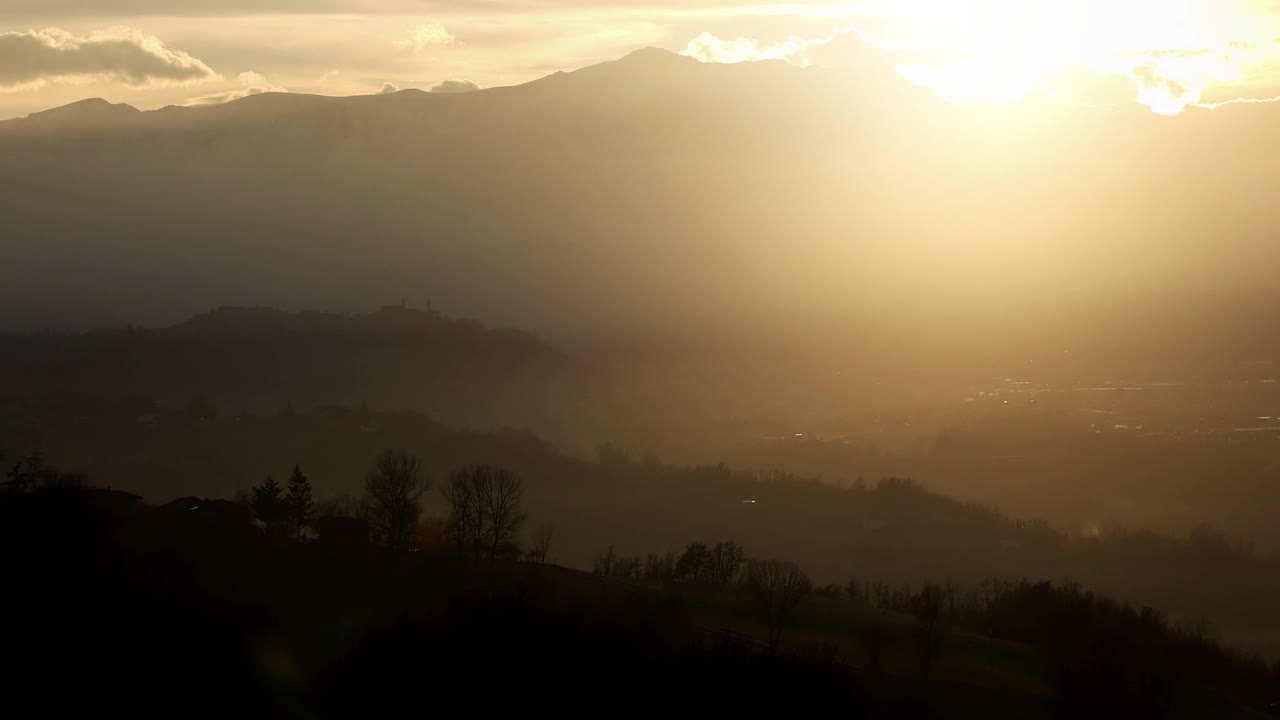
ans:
(1170, 51)
(1164, 54)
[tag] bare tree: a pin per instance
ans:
(723, 563)
(500, 507)
(660, 567)
(348, 506)
(928, 608)
(394, 486)
(876, 635)
(465, 525)
(607, 563)
(629, 568)
(542, 543)
(484, 509)
(777, 588)
(32, 473)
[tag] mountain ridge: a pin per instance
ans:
(97, 107)
(559, 205)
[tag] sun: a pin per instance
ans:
(1169, 51)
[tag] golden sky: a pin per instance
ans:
(1165, 54)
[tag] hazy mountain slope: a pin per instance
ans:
(516, 203)
(655, 195)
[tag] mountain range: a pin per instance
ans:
(653, 196)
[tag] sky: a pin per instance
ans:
(1165, 54)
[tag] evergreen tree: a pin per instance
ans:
(267, 504)
(299, 505)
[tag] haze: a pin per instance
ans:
(915, 358)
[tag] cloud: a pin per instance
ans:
(711, 49)
(865, 61)
(207, 8)
(847, 48)
(427, 35)
(388, 88)
(1085, 86)
(253, 84)
(1239, 101)
(1171, 81)
(1166, 95)
(455, 86)
(37, 57)
(1167, 82)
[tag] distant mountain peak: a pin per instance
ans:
(90, 107)
(92, 111)
(655, 55)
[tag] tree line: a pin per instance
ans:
(32, 472)
(484, 518)
(1102, 652)
(774, 588)
(1100, 647)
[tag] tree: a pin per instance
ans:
(611, 456)
(607, 563)
(692, 564)
(777, 588)
(484, 510)
(660, 567)
(465, 526)
(542, 543)
(267, 505)
(32, 473)
(856, 592)
(628, 568)
(347, 506)
(299, 505)
(393, 487)
(613, 565)
(500, 506)
(875, 635)
(723, 563)
(928, 607)
(26, 474)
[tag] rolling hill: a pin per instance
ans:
(262, 360)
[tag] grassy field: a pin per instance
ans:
(969, 673)
(970, 676)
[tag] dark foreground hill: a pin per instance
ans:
(189, 608)
(152, 612)
(891, 531)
